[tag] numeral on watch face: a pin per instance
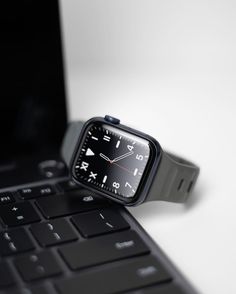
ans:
(128, 185)
(116, 185)
(84, 165)
(130, 147)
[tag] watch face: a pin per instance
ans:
(112, 161)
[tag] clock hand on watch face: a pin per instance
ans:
(122, 156)
(122, 167)
(105, 157)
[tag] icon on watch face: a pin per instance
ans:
(112, 160)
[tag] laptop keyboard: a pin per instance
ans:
(59, 239)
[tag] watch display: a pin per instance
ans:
(112, 160)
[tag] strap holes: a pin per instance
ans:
(180, 184)
(190, 186)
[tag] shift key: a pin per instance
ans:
(103, 249)
(129, 275)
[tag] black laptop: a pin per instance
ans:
(54, 237)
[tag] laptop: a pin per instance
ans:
(55, 237)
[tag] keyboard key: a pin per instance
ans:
(164, 289)
(34, 192)
(67, 185)
(69, 203)
(103, 249)
(116, 279)
(33, 290)
(15, 241)
(6, 276)
(99, 222)
(6, 197)
(53, 232)
(37, 266)
(18, 214)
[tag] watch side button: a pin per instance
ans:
(112, 119)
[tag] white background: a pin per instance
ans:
(168, 68)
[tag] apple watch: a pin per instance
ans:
(123, 164)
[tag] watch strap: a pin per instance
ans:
(70, 141)
(174, 180)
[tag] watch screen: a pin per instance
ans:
(112, 160)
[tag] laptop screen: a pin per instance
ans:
(32, 104)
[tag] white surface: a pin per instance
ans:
(168, 68)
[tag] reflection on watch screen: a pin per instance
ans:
(112, 160)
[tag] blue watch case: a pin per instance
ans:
(150, 170)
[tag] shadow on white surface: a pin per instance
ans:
(157, 210)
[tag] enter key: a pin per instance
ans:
(103, 249)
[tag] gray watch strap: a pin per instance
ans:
(70, 141)
(174, 179)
